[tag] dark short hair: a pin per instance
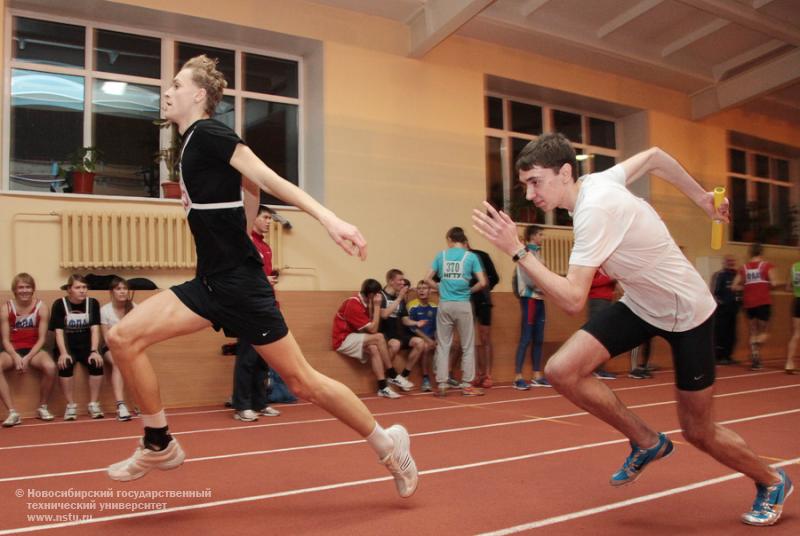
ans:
(264, 208)
(531, 230)
(72, 279)
(456, 234)
(370, 286)
(756, 249)
(551, 150)
(391, 274)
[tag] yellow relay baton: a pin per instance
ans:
(716, 225)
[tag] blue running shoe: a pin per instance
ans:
(521, 385)
(638, 460)
(540, 382)
(768, 505)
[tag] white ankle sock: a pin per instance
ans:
(380, 441)
(159, 420)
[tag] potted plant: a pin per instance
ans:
(81, 172)
(170, 156)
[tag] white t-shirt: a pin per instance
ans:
(624, 234)
(108, 317)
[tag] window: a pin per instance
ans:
(512, 123)
(760, 194)
(75, 86)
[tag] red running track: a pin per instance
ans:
(505, 463)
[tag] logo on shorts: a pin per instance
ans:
(265, 333)
(696, 378)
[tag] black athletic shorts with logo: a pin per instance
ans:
(619, 330)
(239, 300)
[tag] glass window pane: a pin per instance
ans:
(494, 172)
(226, 112)
(781, 169)
(271, 131)
(521, 210)
(49, 43)
(46, 126)
(762, 166)
(494, 112)
(526, 118)
(569, 125)
(740, 221)
(562, 217)
(762, 212)
(124, 53)
(126, 137)
(227, 59)
(275, 76)
(602, 133)
(783, 222)
(603, 162)
(738, 161)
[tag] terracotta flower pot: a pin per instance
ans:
(82, 182)
(172, 190)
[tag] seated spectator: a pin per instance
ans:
(395, 323)
(110, 314)
(23, 323)
(75, 319)
(422, 309)
(355, 334)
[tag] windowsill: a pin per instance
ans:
(87, 197)
(765, 245)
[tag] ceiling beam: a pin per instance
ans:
(749, 18)
(438, 20)
(720, 69)
(627, 16)
(528, 8)
(747, 86)
(692, 37)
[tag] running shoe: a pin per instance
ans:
(792, 371)
(401, 382)
(540, 382)
(487, 382)
(471, 391)
(477, 381)
(43, 413)
(604, 375)
(638, 460)
(245, 415)
(400, 463)
(441, 390)
(122, 412)
(387, 392)
(71, 412)
(13, 419)
(269, 411)
(768, 505)
(426, 386)
(95, 411)
(521, 385)
(639, 374)
(756, 365)
(144, 459)
(453, 382)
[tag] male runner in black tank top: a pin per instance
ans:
(230, 290)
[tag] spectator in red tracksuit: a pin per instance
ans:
(755, 280)
(601, 297)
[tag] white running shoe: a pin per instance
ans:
(71, 412)
(122, 412)
(401, 382)
(400, 463)
(245, 415)
(144, 459)
(43, 413)
(387, 392)
(95, 411)
(269, 412)
(13, 419)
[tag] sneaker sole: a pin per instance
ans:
(637, 475)
(777, 517)
(238, 418)
(166, 466)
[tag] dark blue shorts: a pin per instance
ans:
(240, 301)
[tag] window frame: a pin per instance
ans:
(168, 58)
(506, 136)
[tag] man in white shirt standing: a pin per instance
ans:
(664, 296)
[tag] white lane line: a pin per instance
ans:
(544, 522)
(622, 504)
(384, 414)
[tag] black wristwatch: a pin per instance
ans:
(520, 254)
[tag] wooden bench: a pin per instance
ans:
(193, 372)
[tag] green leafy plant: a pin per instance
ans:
(85, 160)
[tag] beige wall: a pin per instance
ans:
(404, 147)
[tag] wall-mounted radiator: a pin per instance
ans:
(126, 240)
(556, 248)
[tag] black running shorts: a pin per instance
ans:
(240, 301)
(619, 330)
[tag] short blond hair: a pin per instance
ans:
(206, 76)
(22, 277)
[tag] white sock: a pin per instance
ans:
(158, 420)
(380, 441)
